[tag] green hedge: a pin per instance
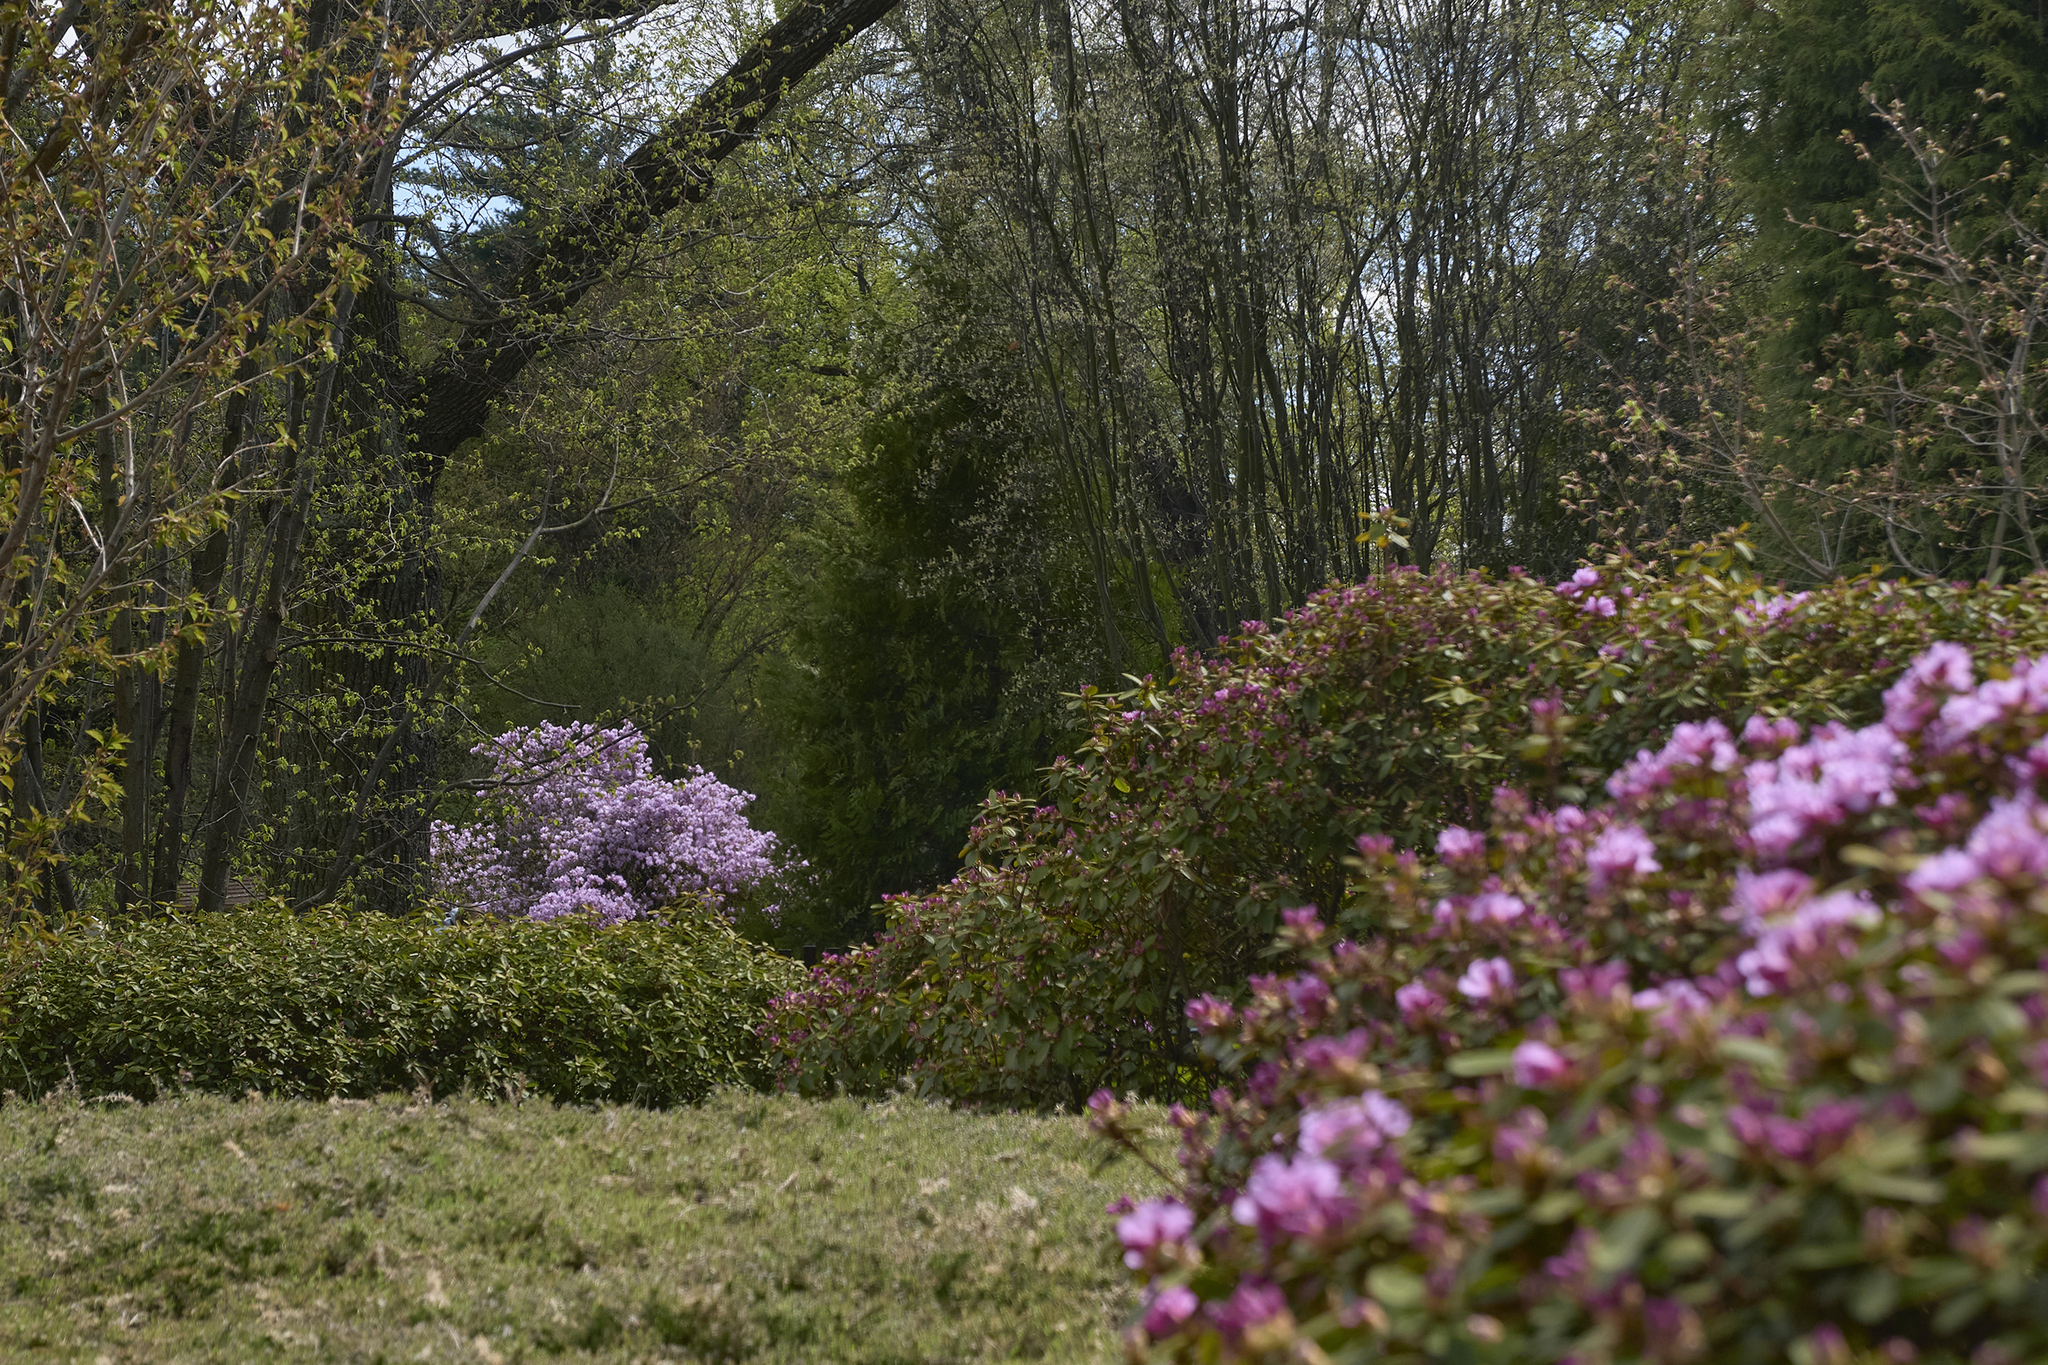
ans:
(1153, 865)
(317, 1005)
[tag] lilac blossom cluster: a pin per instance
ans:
(1747, 1062)
(576, 822)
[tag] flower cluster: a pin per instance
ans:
(576, 823)
(1756, 1069)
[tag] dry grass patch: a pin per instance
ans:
(750, 1229)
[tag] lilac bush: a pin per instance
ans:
(1747, 1061)
(576, 823)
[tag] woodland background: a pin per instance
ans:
(836, 393)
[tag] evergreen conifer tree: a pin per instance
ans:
(1974, 74)
(1813, 61)
(926, 661)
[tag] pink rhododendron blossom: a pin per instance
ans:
(1353, 1127)
(1168, 1309)
(1489, 979)
(1674, 1002)
(1946, 872)
(1928, 681)
(1538, 1065)
(1302, 1196)
(1303, 920)
(1591, 988)
(1457, 844)
(1579, 582)
(2010, 843)
(1256, 1303)
(1760, 898)
(1815, 927)
(1698, 745)
(1150, 1226)
(1417, 1003)
(1760, 732)
(1773, 608)
(1325, 1055)
(1621, 852)
(1373, 847)
(1309, 996)
(1497, 907)
(1210, 1014)
(1814, 786)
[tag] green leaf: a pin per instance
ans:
(1395, 1287)
(2022, 1099)
(1621, 1242)
(1482, 1062)
(1938, 1090)
(1884, 1185)
(1874, 1295)
(1716, 1203)
(1752, 1052)
(1958, 1311)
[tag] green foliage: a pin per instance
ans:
(1154, 864)
(610, 653)
(644, 1013)
(1812, 60)
(1818, 166)
(926, 662)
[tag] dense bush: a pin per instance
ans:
(644, 1012)
(1153, 866)
(1748, 1063)
(575, 822)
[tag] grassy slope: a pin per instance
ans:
(205, 1229)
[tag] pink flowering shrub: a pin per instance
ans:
(1745, 1061)
(576, 823)
(1151, 867)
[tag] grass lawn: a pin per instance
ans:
(753, 1228)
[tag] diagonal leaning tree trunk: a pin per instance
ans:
(448, 405)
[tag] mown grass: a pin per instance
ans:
(749, 1229)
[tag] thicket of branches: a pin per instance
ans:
(831, 395)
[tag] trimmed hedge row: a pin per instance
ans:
(318, 1005)
(1155, 863)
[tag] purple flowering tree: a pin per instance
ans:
(576, 822)
(1747, 1062)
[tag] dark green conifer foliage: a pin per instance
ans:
(926, 662)
(1974, 74)
(1812, 61)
